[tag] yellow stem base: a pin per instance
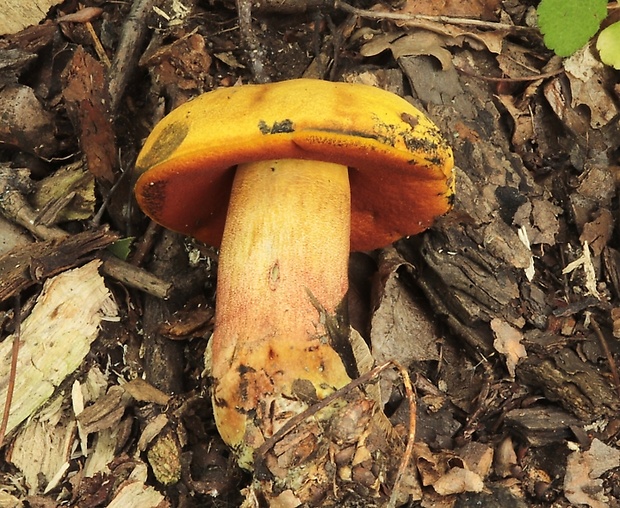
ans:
(282, 271)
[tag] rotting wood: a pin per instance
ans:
(14, 184)
(26, 266)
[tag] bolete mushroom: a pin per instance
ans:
(286, 178)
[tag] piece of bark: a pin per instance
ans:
(163, 357)
(475, 258)
(27, 265)
(576, 384)
(540, 426)
(55, 338)
(87, 101)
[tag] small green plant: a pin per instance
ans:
(608, 45)
(568, 25)
(122, 248)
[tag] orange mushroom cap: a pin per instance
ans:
(400, 167)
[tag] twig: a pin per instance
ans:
(253, 47)
(144, 245)
(610, 358)
(413, 18)
(103, 56)
(534, 77)
(127, 54)
(404, 463)
(13, 372)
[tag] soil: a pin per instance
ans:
(504, 314)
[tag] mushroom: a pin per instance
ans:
(286, 178)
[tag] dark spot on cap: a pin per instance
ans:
(283, 127)
(154, 197)
(166, 143)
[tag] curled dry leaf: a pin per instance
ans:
(539, 217)
(401, 328)
(505, 458)
(598, 231)
(419, 43)
(180, 68)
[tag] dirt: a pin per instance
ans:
(504, 313)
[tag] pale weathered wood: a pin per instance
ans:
(55, 338)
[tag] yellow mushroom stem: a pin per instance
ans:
(282, 270)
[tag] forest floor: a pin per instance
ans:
(505, 314)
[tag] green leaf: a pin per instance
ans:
(567, 25)
(608, 45)
(121, 248)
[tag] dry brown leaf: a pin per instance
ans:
(454, 35)
(598, 232)
(582, 483)
(478, 457)
(458, 480)
(588, 79)
(508, 343)
(505, 458)
(428, 465)
(419, 43)
(401, 328)
(180, 68)
(523, 125)
(539, 217)
(25, 124)
(477, 9)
